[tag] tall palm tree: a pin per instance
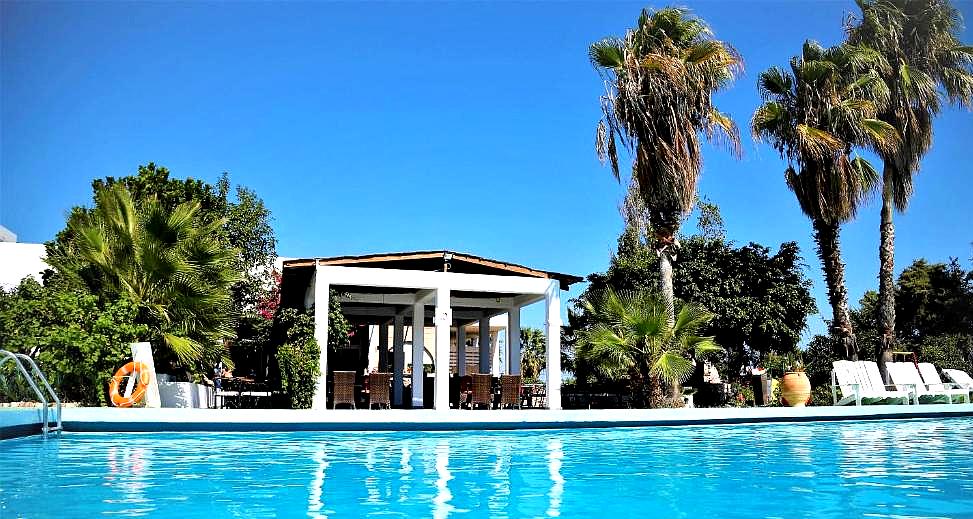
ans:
(173, 266)
(929, 66)
(632, 336)
(814, 116)
(659, 82)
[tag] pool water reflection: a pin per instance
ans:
(920, 468)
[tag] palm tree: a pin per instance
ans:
(929, 66)
(532, 352)
(659, 81)
(173, 266)
(632, 336)
(814, 115)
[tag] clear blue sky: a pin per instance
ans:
(374, 127)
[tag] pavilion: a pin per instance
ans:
(444, 290)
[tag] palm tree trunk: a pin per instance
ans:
(886, 286)
(665, 282)
(666, 242)
(829, 251)
(656, 396)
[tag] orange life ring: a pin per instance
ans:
(138, 393)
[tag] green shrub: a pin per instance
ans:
(77, 341)
(948, 351)
(299, 371)
(298, 358)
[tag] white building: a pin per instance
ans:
(19, 260)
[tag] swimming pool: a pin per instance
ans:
(903, 468)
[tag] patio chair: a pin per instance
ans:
(344, 389)
(906, 376)
(509, 391)
(378, 390)
(859, 385)
(482, 391)
(465, 390)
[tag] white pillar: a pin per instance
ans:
(552, 305)
(442, 319)
(321, 294)
(513, 341)
(418, 337)
(383, 347)
(461, 350)
(398, 358)
(484, 345)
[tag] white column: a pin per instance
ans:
(398, 358)
(383, 347)
(513, 341)
(418, 337)
(321, 293)
(461, 349)
(552, 304)
(484, 345)
(442, 320)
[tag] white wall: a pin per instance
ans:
(19, 260)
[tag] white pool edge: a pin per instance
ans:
(18, 422)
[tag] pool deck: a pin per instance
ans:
(20, 421)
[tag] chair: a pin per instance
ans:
(958, 376)
(465, 390)
(906, 376)
(344, 389)
(482, 391)
(509, 391)
(378, 390)
(861, 383)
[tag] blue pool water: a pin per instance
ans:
(920, 468)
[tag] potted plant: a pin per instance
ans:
(795, 387)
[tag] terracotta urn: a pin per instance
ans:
(795, 389)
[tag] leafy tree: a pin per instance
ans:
(533, 352)
(814, 115)
(633, 337)
(659, 80)
(172, 266)
(77, 340)
(929, 66)
(246, 230)
(934, 313)
(760, 299)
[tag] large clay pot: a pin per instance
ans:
(795, 389)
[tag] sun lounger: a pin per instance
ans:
(957, 379)
(906, 376)
(859, 385)
(960, 377)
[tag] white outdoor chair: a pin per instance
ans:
(960, 378)
(858, 385)
(905, 376)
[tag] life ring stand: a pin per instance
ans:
(117, 399)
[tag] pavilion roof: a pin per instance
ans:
(435, 261)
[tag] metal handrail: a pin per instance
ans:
(15, 357)
(40, 374)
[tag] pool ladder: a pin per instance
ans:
(32, 379)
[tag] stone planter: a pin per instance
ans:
(795, 389)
